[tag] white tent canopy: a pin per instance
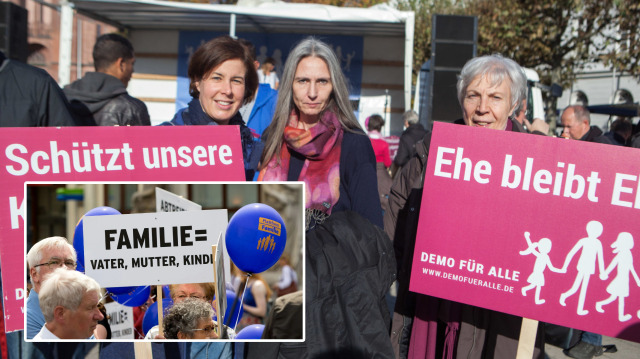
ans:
(272, 17)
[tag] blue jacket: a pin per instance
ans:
(263, 109)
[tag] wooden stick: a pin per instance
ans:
(527, 341)
(142, 350)
(219, 315)
(160, 310)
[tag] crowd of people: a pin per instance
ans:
(362, 206)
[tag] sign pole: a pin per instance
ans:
(160, 310)
(527, 341)
(142, 350)
(219, 315)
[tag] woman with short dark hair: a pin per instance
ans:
(222, 78)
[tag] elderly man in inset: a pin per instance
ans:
(576, 121)
(44, 257)
(69, 302)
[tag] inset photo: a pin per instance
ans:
(164, 261)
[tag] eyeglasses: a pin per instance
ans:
(57, 262)
(207, 330)
(193, 296)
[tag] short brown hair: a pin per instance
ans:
(375, 123)
(212, 54)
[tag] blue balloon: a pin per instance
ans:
(78, 235)
(135, 298)
(121, 290)
(251, 332)
(150, 318)
(255, 238)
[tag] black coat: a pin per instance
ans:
(350, 267)
(408, 140)
(103, 99)
(29, 97)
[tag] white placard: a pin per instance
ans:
(121, 321)
(170, 202)
(152, 248)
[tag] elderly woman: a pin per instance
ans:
(490, 88)
(315, 138)
(222, 78)
(203, 292)
(190, 319)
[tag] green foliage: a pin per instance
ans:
(625, 56)
(557, 38)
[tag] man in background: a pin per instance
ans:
(102, 96)
(29, 97)
(576, 121)
(538, 126)
(406, 149)
(621, 131)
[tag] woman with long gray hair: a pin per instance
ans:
(315, 138)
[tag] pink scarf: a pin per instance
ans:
(320, 145)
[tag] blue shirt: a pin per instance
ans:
(35, 318)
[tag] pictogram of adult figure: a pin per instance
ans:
(619, 286)
(591, 251)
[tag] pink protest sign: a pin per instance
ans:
(534, 226)
(180, 153)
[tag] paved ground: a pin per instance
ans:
(626, 350)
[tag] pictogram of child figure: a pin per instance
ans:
(619, 286)
(541, 250)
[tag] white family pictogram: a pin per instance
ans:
(590, 256)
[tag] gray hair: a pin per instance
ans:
(496, 69)
(339, 101)
(184, 317)
(35, 253)
(64, 288)
(580, 113)
(411, 117)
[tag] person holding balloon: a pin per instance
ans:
(222, 78)
(315, 138)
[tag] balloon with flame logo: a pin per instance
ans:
(256, 237)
